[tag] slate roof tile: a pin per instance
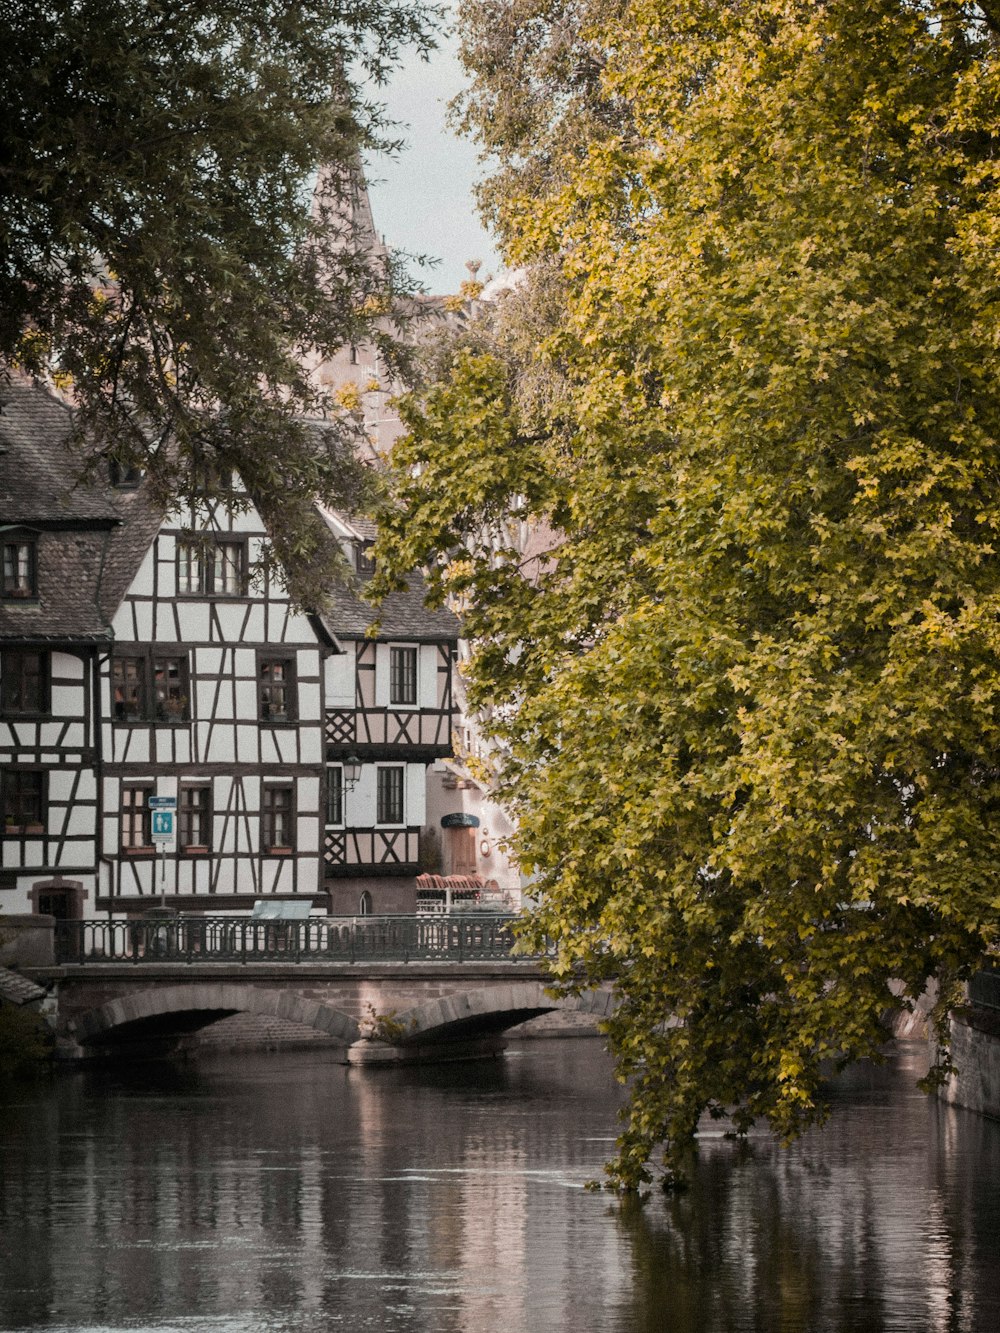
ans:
(403, 615)
(16, 989)
(39, 472)
(73, 520)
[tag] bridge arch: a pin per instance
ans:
(491, 1009)
(170, 1010)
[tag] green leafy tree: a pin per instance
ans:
(748, 706)
(158, 255)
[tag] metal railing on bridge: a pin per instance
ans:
(208, 939)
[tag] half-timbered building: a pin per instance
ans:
(389, 699)
(212, 696)
(148, 656)
(54, 642)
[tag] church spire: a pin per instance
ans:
(341, 199)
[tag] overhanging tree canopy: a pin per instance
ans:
(157, 250)
(751, 710)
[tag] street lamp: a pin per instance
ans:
(352, 771)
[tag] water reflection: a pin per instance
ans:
(272, 1192)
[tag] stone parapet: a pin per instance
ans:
(26, 940)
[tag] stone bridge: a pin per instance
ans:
(378, 1011)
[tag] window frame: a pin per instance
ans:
(383, 811)
(239, 545)
(12, 820)
(193, 554)
(9, 589)
(270, 812)
(44, 676)
(127, 812)
(364, 561)
(336, 793)
(288, 686)
(404, 682)
(187, 811)
(153, 708)
(206, 552)
(124, 476)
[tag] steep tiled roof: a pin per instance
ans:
(39, 474)
(73, 521)
(141, 521)
(403, 615)
(16, 989)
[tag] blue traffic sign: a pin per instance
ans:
(163, 803)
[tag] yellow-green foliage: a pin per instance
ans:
(158, 253)
(752, 711)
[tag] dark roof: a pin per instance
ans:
(16, 989)
(141, 521)
(39, 473)
(403, 615)
(73, 520)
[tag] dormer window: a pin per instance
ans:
(20, 568)
(124, 476)
(363, 559)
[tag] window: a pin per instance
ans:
(335, 795)
(190, 570)
(276, 689)
(147, 686)
(194, 818)
(128, 676)
(20, 568)
(276, 819)
(365, 904)
(363, 560)
(170, 689)
(217, 568)
(136, 822)
(228, 569)
(124, 476)
(22, 797)
(402, 675)
(389, 794)
(24, 681)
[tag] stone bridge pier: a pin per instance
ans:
(379, 1012)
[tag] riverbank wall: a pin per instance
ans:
(975, 1051)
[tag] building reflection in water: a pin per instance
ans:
(271, 1193)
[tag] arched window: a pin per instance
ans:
(365, 904)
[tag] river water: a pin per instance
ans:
(289, 1194)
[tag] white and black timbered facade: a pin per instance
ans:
(389, 714)
(213, 696)
(148, 656)
(55, 538)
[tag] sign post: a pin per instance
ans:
(163, 816)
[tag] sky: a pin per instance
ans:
(422, 199)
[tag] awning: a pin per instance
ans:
(460, 820)
(281, 911)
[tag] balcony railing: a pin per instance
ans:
(419, 727)
(205, 939)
